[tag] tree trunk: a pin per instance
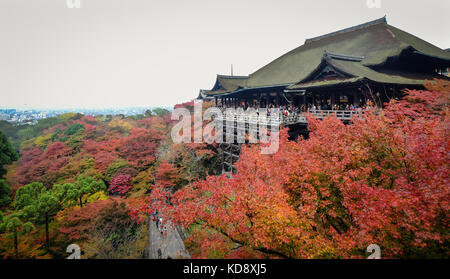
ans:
(81, 202)
(16, 245)
(47, 237)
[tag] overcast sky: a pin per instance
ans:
(117, 53)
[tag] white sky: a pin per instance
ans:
(117, 53)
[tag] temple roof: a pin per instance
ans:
(226, 84)
(355, 72)
(357, 50)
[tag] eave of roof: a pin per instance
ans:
(325, 83)
(262, 89)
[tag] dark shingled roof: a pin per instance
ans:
(357, 72)
(226, 84)
(353, 50)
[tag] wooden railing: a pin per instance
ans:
(344, 115)
(341, 114)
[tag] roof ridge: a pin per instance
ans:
(227, 76)
(353, 28)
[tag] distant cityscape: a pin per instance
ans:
(32, 116)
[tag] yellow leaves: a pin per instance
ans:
(121, 123)
(43, 141)
(142, 183)
(97, 196)
(67, 116)
(28, 248)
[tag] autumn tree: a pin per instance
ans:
(120, 184)
(140, 147)
(44, 167)
(115, 233)
(114, 167)
(167, 175)
(106, 229)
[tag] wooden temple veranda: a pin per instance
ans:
(338, 73)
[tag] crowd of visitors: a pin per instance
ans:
(291, 110)
(159, 223)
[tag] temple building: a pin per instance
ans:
(334, 74)
(338, 71)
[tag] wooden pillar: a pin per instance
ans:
(223, 159)
(333, 100)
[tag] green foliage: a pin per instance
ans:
(38, 205)
(27, 194)
(75, 141)
(5, 199)
(37, 202)
(32, 131)
(43, 141)
(84, 186)
(70, 115)
(10, 132)
(160, 112)
(14, 226)
(74, 129)
(13, 223)
(7, 153)
(141, 183)
(137, 116)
